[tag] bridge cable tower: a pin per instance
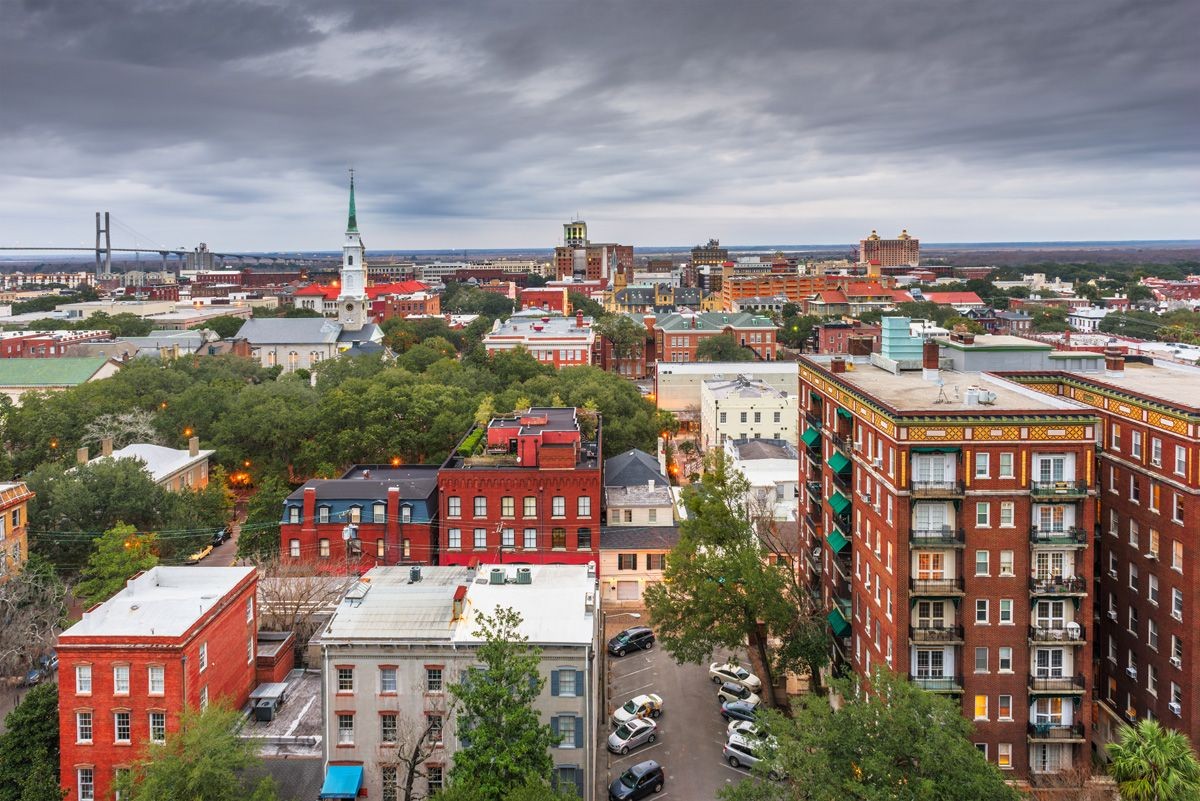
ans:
(103, 229)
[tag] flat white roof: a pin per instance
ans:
(162, 602)
(160, 462)
(727, 368)
(386, 606)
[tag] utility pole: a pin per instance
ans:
(103, 227)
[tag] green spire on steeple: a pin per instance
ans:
(352, 224)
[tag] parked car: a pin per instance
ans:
(221, 535)
(746, 752)
(641, 706)
(639, 781)
(638, 638)
(735, 673)
(631, 734)
(746, 728)
(34, 676)
(739, 710)
(736, 692)
(49, 663)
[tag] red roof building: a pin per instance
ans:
(962, 301)
(323, 297)
(526, 490)
(546, 298)
(174, 638)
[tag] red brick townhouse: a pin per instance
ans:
(525, 489)
(373, 515)
(678, 335)
(175, 637)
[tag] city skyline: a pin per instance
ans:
(234, 122)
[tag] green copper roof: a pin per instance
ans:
(838, 462)
(352, 223)
(64, 372)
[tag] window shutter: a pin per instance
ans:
(579, 692)
(533, 683)
(554, 725)
(579, 732)
(579, 781)
(554, 682)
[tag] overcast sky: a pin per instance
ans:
(661, 122)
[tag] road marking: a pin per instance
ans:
(635, 752)
(635, 689)
(738, 771)
(632, 672)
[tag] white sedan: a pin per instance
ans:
(721, 673)
(641, 706)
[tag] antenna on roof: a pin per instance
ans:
(942, 398)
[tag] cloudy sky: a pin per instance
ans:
(662, 122)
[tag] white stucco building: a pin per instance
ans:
(745, 408)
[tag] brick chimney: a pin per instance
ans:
(1114, 360)
(837, 365)
(194, 446)
(308, 519)
(579, 319)
(106, 446)
(929, 360)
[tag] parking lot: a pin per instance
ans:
(691, 730)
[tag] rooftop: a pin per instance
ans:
(65, 371)
(632, 468)
(639, 495)
(742, 387)
(712, 321)
(755, 449)
(1175, 384)
(386, 605)
(161, 602)
(543, 327)
(908, 393)
(625, 538)
(161, 462)
(288, 331)
(993, 342)
(414, 481)
(297, 728)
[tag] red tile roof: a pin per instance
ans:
(953, 297)
(330, 292)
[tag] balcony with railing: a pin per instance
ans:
(1058, 489)
(842, 482)
(936, 635)
(1054, 633)
(936, 586)
(1056, 732)
(1058, 538)
(1056, 685)
(940, 488)
(939, 684)
(1057, 585)
(813, 419)
(841, 441)
(841, 565)
(936, 537)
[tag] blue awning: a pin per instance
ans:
(342, 781)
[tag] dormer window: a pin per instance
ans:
(379, 511)
(354, 514)
(322, 514)
(293, 514)
(405, 514)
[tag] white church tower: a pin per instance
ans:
(352, 301)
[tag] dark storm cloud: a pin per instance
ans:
(645, 114)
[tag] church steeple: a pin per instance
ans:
(352, 222)
(352, 300)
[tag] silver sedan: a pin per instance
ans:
(631, 734)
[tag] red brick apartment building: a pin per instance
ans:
(948, 531)
(373, 515)
(525, 489)
(678, 335)
(552, 340)
(175, 637)
(1148, 650)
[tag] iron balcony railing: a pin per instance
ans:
(942, 586)
(1062, 538)
(813, 419)
(939, 684)
(1059, 489)
(1075, 585)
(1058, 633)
(936, 537)
(935, 634)
(1054, 684)
(935, 489)
(840, 441)
(1055, 731)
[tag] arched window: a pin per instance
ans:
(293, 360)
(349, 260)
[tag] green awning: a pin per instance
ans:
(845, 413)
(816, 398)
(836, 540)
(810, 436)
(838, 462)
(839, 624)
(935, 449)
(838, 502)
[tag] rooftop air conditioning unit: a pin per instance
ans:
(1131, 671)
(1175, 707)
(1176, 662)
(498, 575)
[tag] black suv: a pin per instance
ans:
(638, 638)
(639, 781)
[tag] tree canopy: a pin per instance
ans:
(1150, 763)
(504, 741)
(29, 748)
(119, 553)
(225, 327)
(888, 740)
(723, 348)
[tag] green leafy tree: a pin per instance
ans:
(627, 337)
(120, 553)
(722, 348)
(796, 330)
(895, 741)
(29, 745)
(1050, 319)
(259, 537)
(506, 744)
(205, 760)
(1138, 293)
(582, 303)
(724, 584)
(1150, 763)
(534, 791)
(965, 322)
(225, 327)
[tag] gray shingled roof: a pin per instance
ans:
(629, 538)
(287, 331)
(630, 468)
